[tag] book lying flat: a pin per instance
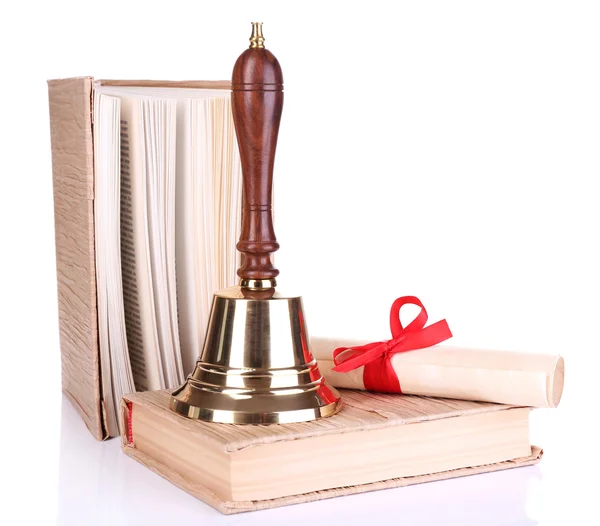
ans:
(145, 173)
(376, 441)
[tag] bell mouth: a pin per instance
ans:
(237, 406)
(256, 366)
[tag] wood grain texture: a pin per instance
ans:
(257, 103)
(410, 407)
(73, 185)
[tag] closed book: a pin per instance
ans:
(376, 441)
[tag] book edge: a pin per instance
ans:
(231, 507)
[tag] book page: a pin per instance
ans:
(107, 140)
(191, 217)
(208, 214)
(158, 133)
(230, 196)
(142, 336)
(186, 248)
(117, 378)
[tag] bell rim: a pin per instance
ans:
(226, 416)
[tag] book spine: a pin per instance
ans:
(126, 423)
(129, 423)
(70, 102)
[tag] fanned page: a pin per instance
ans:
(140, 315)
(180, 221)
(117, 378)
(208, 220)
(157, 138)
(227, 193)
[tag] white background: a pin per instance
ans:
(444, 149)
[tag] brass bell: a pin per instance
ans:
(256, 366)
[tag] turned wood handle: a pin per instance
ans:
(257, 102)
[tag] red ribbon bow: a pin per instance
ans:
(379, 375)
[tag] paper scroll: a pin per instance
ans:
(504, 377)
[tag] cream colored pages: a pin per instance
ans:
(142, 335)
(208, 214)
(503, 377)
(192, 179)
(158, 131)
(117, 378)
(106, 173)
(189, 329)
(227, 175)
(205, 219)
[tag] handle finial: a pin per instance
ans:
(257, 41)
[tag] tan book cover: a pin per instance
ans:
(72, 138)
(377, 441)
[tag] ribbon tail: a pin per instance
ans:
(362, 355)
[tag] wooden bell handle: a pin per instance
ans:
(257, 102)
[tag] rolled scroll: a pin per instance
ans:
(504, 377)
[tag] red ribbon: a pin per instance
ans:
(379, 375)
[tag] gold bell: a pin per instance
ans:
(256, 366)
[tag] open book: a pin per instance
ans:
(167, 209)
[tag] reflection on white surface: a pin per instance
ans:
(99, 485)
